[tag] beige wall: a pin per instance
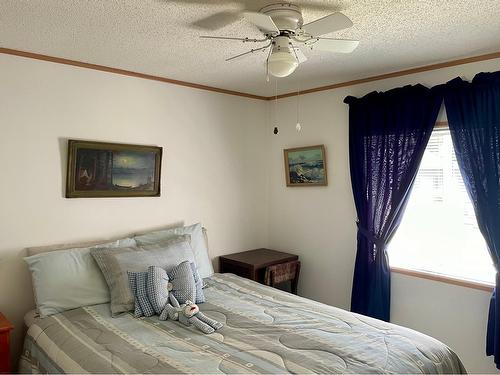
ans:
(213, 170)
(319, 223)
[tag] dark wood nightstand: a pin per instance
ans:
(252, 264)
(5, 328)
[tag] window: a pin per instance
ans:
(439, 231)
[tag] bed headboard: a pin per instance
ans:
(72, 245)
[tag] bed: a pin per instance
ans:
(265, 331)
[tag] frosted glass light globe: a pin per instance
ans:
(282, 63)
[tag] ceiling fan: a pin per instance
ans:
(284, 33)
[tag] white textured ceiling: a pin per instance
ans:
(161, 37)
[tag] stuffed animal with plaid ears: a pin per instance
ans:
(191, 315)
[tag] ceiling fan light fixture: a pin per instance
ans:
(282, 63)
(284, 31)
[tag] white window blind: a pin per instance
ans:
(439, 231)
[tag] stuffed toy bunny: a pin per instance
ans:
(171, 309)
(190, 314)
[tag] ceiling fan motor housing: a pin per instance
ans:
(286, 16)
(282, 43)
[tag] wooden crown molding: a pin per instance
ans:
(124, 72)
(102, 68)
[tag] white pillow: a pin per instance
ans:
(198, 244)
(68, 279)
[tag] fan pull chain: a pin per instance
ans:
(276, 131)
(298, 127)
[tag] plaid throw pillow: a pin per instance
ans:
(133, 288)
(157, 288)
(140, 294)
(183, 284)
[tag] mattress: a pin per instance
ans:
(265, 331)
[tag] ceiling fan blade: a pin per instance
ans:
(217, 21)
(262, 21)
(334, 45)
(232, 58)
(332, 22)
(300, 55)
(244, 40)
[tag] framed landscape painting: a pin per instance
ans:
(97, 169)
(306, 166)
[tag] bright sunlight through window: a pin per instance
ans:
(439, 231)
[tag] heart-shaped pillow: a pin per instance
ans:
(182, 284)
(157, 288)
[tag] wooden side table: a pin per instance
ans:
(252, 264)
(5, 328)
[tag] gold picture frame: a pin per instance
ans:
(306, 166)
(102, 170)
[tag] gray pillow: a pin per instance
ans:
(115, 263)
(198, 244)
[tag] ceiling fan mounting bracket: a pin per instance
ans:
(286, 16)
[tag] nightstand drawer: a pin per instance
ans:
(252, 264)
(236, 269)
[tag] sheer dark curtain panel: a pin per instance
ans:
(473, 111)
(388, 133)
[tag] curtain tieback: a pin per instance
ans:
(376, 240)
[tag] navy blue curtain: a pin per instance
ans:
(473, 111)
(388, 133)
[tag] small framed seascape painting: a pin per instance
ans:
(306, 166)
(98, 169)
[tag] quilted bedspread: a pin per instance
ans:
(265, 331)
